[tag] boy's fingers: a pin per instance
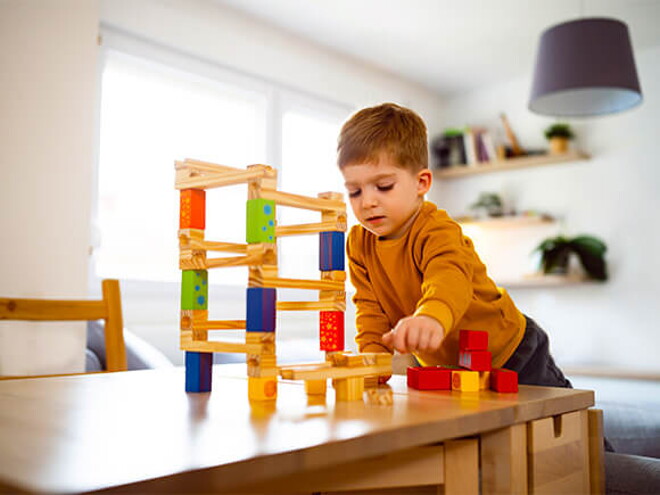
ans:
(399, 341)
(387, 337)
(424, 339)
(436, 340)
(412, 337)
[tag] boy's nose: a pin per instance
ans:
(369, 200)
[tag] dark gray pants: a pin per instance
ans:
(533, 362)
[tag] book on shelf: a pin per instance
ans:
(449, 149)
(469, 147)
(470, 144)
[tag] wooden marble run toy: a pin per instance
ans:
(473, 374)
(347, 371)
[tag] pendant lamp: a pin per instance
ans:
(584, 68)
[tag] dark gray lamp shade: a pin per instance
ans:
(585, 67)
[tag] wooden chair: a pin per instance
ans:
(108, 309)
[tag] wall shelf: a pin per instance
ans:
(507, 221)
(509, 164)
(545, 281)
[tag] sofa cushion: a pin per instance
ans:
(631, 474)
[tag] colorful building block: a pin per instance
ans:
(261, 304)
(199, 367)
(349, 389)
(465, 381)
(260, 218)
(194, 289)
(473, 340)
(429, 378)
(475, 360)
(504, 381)
(192, 209)
(316, 387)
(484, 380)
(331, 330)
(331, 251)
(262, 388)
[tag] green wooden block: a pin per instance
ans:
(194, 289)
(260, 219)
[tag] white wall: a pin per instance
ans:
(613, 196)
(219, 34)
(48, 56)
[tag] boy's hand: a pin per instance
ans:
(415, 333)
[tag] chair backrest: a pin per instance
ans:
(108, 309)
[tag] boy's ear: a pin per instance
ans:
(424, 181)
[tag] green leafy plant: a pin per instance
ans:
(559, 130)
(556, 251)
(490, 202)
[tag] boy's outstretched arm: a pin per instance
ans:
(415, 333)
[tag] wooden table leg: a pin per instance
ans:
(462, 467)
(504, 461)
(596, 452)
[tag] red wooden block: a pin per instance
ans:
(429, 378)
(475, 360)
(504, 381)
(192, 209)
(331, 331)
(473, 340)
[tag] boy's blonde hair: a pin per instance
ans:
(386, 128)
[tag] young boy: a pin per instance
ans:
(418, 280)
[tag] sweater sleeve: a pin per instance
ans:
(445, 260)
(371, 321)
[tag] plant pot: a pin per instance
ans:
(558, 145)
(557, 262)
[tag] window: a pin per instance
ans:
(154, 112)
(309, 140)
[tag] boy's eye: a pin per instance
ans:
(354, 194)
(385, 187)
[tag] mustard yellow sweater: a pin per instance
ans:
(433, 270)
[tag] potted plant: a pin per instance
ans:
(556, 252)
(558, 134)
(491, 203)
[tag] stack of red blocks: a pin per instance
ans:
(474, 373)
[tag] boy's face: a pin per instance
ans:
(385, 197)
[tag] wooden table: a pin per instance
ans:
(139, 432)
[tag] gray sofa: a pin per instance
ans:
(140, 354)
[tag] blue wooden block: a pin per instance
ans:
(331, 251)
(198, 371)
(260, 309)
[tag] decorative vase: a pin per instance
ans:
(558, 145)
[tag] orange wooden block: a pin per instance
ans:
(192, 209)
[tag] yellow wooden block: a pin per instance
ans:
(370, 382)
(262, 365)
(349, 389)
(380, 396)
(484, 380)
(336, 275)
(465, 381)
(316, 387)
(265, 339)
(262, 388)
